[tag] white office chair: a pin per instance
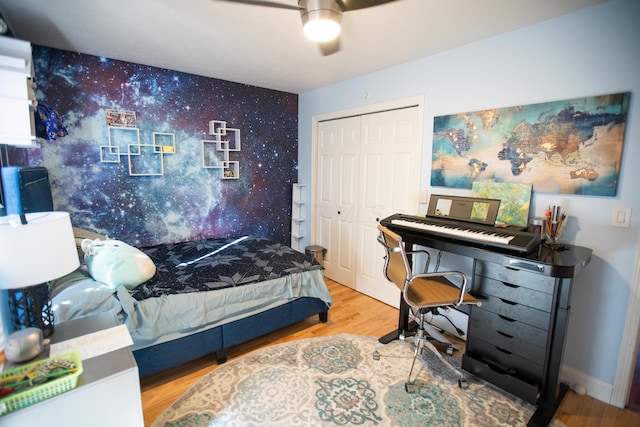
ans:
(423, 292)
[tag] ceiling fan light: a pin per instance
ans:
(321, 25)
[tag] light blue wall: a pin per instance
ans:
(592, 52)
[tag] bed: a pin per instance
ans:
(205, 297)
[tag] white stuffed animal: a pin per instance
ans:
(116, 263)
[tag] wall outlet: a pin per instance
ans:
(621, 217)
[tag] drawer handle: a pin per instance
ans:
(502, 350)
(498, 368)
(508, 319)
(506, 301)
(517, 264)
(504, 335)
(510, 285)
(500, 371)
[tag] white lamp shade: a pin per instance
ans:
(44, 249)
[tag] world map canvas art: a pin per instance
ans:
(570, 147)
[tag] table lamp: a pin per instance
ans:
(34, 249)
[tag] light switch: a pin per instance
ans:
(424, 196)
(621, 217)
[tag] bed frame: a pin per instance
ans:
(217, 340)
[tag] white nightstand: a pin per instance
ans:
(107, 393)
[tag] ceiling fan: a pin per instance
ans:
(320, 18)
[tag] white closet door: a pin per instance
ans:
(368, 169)
(390, 161)
(338, 144)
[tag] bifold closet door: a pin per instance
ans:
(338, 143)
(369, 168)
(390, 161)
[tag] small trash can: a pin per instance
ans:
(316, 252)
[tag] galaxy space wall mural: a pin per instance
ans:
(186, 201)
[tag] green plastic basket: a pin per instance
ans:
(38, 393)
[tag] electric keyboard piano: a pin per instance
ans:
(469, 232)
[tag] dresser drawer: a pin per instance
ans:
(523, 278)
(513, 292)
(507, 361)
(515, 337)
(514, 311)
(506, 381)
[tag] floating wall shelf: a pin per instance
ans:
(215, 151)
(124, 140)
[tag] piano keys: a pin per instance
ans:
(498, 238)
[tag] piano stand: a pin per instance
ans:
(525, 312)
(543, 414)
(393, 335)
(403, 324)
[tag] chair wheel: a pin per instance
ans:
(410, 388)
(376, 355)
(450, 350)
(463, 383)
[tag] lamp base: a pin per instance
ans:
(31, 307)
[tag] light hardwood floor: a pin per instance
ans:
(352, 313)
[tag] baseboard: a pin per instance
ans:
(594, 387)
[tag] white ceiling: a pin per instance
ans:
(265, 46)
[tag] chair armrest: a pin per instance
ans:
(417, 251)
(443, 273)
(426, 264)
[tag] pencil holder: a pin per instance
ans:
(552, 231)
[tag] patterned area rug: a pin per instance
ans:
(335, 381)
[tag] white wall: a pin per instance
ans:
(592, 52)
